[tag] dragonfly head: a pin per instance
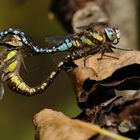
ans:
(113, 34)
(16, 38)
(12, 41)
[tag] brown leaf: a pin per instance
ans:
(52, 125)
(107, 73)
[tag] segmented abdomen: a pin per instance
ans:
(12, 77)
(16, 83)
(66, 45)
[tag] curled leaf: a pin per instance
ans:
(98, 76)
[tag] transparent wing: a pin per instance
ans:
(54, 40)
(1, 90)
(92, 25)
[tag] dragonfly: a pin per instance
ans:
(93, 39)
(14, 46)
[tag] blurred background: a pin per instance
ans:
(34, 18)
(17, 111)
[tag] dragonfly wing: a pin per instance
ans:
(54, 40)
(92, 25)
(1, 90)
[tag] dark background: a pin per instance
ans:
(17, 111)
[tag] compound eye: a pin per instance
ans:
(13, 40)
(110, 34)
(117, 36)
(117, 33)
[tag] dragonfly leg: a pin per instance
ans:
(103, 54)
(85, 58)
(108, 48)
(89, 53)
(121, 48)
(111, 56)
(103, 50)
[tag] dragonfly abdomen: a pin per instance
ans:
(67, 44)
(16, 83)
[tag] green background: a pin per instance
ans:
(17, 111)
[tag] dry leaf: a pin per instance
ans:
(98, 76)
(52, 125)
